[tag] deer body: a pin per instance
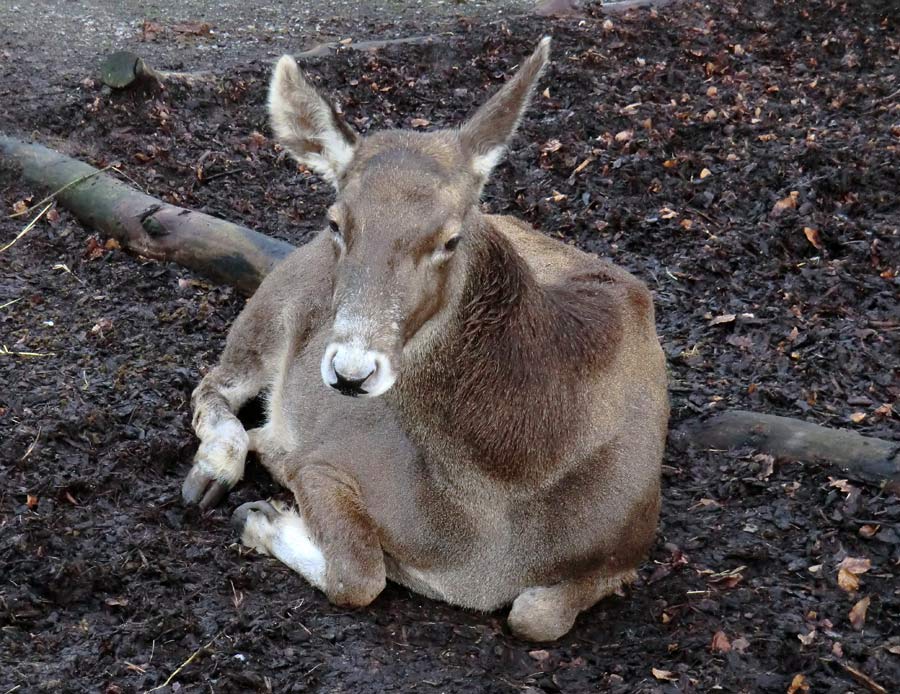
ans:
(508, 442)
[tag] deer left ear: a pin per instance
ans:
(485, 135)
(308, 126)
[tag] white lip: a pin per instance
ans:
(355, 362)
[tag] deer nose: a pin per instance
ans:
(349, 386)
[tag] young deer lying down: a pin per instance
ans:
(506, 440)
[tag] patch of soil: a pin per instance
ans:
(742, 160)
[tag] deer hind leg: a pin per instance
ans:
(329, 539)
(548, 613)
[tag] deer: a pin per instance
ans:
(457, 402)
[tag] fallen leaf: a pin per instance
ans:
(112, 245)
(664, 675)
(581, 166)
(607, 25)
(670, 163)
(666, 213)
(857, 565)
(557, 196)
(848, 581)
(812, 235)
(20, 207)
(857, 417)
(893, 649)
(102, 326)
(546, 93)
(192, 28)
(31, 501)
(710, 115)
(345, 42)
(71, 499)
(740, 644)
(420, 122)
(788, 203)
(551, 146)
(686, 224)
(808, 638)
(858, 613)
(539, 655)
(720, 643)
(837, 650)
(724, 318)
(798, 684)
(705, 173)
(767, 137)
(712, 91)
(117, 602)
(869, 531)
(738, 49)
(842, 485)
(886, 410)
(767, 465)
(52, 217)
(624, 136)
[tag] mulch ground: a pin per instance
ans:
(742, 160)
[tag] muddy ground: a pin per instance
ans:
(742, 160)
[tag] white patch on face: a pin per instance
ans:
(355, 363)
(288, 540)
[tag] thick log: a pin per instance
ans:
(221, 251)
(232, 254)
(866, 458)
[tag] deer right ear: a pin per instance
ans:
(307, 125)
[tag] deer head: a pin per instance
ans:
(406, 204)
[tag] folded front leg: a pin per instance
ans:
(329, 539)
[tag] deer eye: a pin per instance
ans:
(452, 243)
(335, 227)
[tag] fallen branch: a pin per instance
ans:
(867, 458)
(123, 69)
(221, 251)
(231, 254)
(324, 49)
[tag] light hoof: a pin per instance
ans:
(202, 489)
(241, 515)
(538, 615)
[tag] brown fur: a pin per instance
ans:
(516, 457)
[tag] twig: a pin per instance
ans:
(181, 667)
(53, 195)
(863, 678)
(28, 227)
(5, 351)
(65, 268)
(221, 174)
(31, 447)
(10, 302)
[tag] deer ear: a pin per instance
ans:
(307, 125)
(485, 135)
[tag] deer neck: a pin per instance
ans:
(483, 385)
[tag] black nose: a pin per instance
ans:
(349, 386)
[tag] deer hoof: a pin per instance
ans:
(202, 489)
(538, 615)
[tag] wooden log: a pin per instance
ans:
(124, 69)
(232, 254)
(221, 251)
(866, 458)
